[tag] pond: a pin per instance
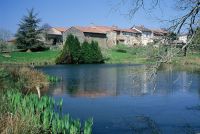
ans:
(123, 99)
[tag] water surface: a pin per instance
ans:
(122, 100)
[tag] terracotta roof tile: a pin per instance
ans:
(61, 29)
(127, 30)
(95, 29)
(159, 31)
(143, 29)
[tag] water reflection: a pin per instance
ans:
(126, 101)
(116, 80)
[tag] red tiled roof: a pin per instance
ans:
(61, 29)
(95, 29)
(159, 31)
(103, 29)
(127, 30)
(142, 28)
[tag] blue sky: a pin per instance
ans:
(65, 13)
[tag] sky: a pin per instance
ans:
(66, 13)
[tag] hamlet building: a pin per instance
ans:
(106, 36)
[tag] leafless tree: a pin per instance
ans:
(189, 20)
(5, 35)
(190, 9)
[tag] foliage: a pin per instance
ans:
(42, 114)
(172, 36)
(71, 51)
(196, 40)
(26, 113)
(28, 34)
(3, 45)
(53, 79)
(91, 53)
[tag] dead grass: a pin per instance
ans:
(28, 79)
(12, 124)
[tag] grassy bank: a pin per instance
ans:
(117, 55)
(148, 55)
(36, 58)
(22, 111)
(193, 58)
(128, 55)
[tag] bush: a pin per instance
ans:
(91, 53)
(71, 51)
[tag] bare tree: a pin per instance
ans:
(45, 27)
(5, 35)
(190, 9)
(189, 20)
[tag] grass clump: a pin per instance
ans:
(41, 112)
(22, 111)
(53, 79)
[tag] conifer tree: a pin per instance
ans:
(28, 34)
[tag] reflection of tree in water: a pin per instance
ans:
(140, 80)
(166, 81)
(72, 90)
(144, 124)
(132, 80)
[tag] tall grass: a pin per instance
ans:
(42, 114)
(22, 111)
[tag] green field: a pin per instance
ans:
(116, 55)
(38, 58)
(128, 58)
(129, 55)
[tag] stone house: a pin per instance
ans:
(150, 35)
(146, 34)
(104, 35)
(158, 34)
(128, 37)
(183, 38)
(53, 36)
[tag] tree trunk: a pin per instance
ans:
(185, 51)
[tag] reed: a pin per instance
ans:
(53, 79)
(42, 112)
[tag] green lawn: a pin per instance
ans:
(122, 54)
(119, 57)
(119, 54)
(38, 58)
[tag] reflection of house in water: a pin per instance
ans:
(112, 80)
(102, 81)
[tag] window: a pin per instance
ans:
(128, 33)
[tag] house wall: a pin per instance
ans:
(74, 31)
(147, 37)
(183, 38)
(100, 38)
(51, 36)
(111, 39)
(130, 40)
